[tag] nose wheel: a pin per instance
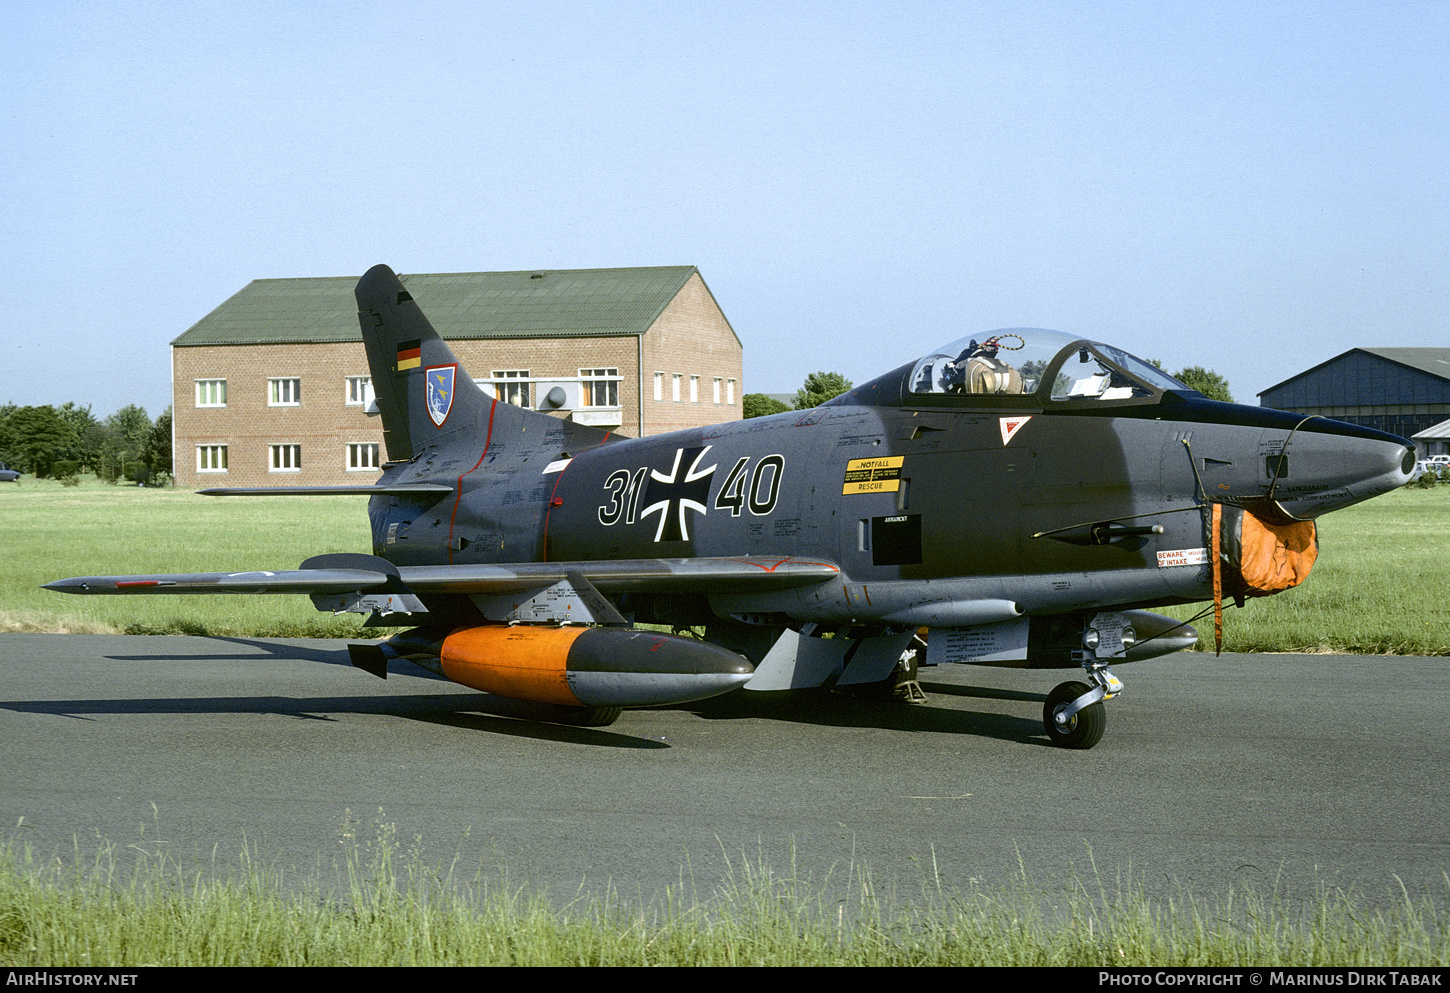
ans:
(1075, 728)
(1074, 714)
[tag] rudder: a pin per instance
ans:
(422, 390)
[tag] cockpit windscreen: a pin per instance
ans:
(1016, 362)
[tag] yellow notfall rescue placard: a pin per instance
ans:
(873, 475)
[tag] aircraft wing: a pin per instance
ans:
(345, 573)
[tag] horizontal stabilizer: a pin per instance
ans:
(395, 489)
(745, 574)
(287, 581)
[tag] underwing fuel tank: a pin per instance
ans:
(578, 666)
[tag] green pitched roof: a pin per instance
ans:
(527, 304)
(1435, 361)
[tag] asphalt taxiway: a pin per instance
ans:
(1279, 772)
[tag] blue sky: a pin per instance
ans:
(1252, 187)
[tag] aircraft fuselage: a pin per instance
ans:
(923, 508)
(1016, 499)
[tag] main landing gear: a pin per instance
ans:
(1074, 714)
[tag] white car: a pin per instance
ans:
(1439, 464)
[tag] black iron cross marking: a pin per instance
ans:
(670, 495)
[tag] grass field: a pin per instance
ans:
(49, 532)
(1380, 585)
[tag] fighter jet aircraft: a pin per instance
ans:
(1014, 498)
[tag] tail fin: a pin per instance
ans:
(422, 391)
(424, 394)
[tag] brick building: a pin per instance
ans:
(271, 388)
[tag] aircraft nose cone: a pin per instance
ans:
(1322, 470)
(1407, 465)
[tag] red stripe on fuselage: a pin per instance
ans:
(458, 487)
(550, 508)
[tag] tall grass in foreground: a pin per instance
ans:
(386, 907)
(1379, 585)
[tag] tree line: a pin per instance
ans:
(62, 442)
(817, 389)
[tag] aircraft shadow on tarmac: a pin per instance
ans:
(474, 712)
(258, 651)
(527, 719)
(830, 709)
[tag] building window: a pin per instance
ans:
(717, 389)
(286, 458)
(211, 458)
(675, 386)
(362, 456)
(730, 391)
(359, 389)
(211, 392)
(694, 389)
(514, 393)
(600, 392)
(659, 386)
(284, 392)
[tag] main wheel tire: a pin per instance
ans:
(1084, 728)
(590, 717)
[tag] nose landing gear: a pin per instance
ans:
(1074, 714)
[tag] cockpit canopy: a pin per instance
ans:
(1031, 361)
